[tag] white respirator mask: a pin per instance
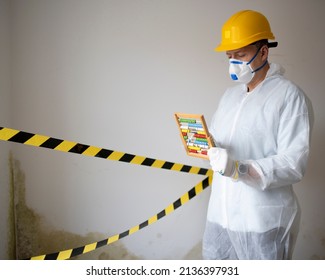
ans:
(241, 71)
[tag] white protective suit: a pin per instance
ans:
(268, 129)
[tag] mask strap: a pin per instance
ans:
(258, 68)
(249, 62)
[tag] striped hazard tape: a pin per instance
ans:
(67, 254)
(36, 140)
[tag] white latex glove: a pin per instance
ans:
(221, 162)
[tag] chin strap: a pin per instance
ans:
(259, 68)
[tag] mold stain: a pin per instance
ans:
(195, 253)
(11, 233)
(320, 233)
(31, 236)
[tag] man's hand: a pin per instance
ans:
(221, 162)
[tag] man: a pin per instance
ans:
(262, 132)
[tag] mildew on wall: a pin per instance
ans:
(11, 249)
(30, 235)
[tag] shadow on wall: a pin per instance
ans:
(30, 236)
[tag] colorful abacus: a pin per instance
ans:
(194, 134)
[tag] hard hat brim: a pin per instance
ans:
(221, 48)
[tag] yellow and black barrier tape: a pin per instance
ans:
(37, 140)
(42, 141)
(67, 254)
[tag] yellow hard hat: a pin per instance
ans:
(244, 28)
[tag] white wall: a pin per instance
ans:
(111, 74)
(5, 121)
